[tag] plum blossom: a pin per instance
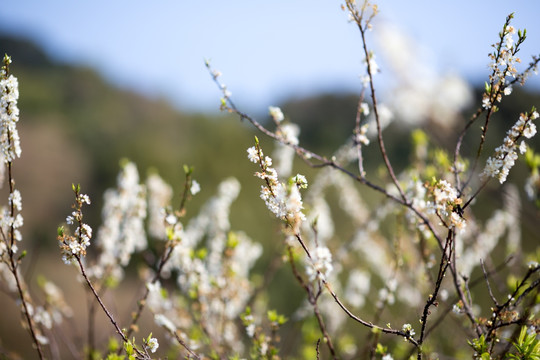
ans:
(499, 165)
(10, 145)
(284, 201)
(122, 232)
(276, 114)
(153, 345)
(320, 265)
(74, 246)
(445, 203)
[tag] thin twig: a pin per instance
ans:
(493, 298)
(432, 300)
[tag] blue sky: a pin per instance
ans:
(266, 50)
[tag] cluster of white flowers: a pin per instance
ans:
(212, 263)
(421, 92)
(288, 133)
(502, 221)
(320, 266)
(357, 287)
(417, 192)
(195, 187)
(445, 196)
(249, 323)
(284, 154)
(159, 197)
(11, 218)
(10, 149)
(152, 344)
(532, 184)
(503, 62)
(73, 246)
(9, 114)
(122, 232)
(408, 329)
(165, 322)
(361, 136)
(445, 203)
(55, 301)
(276, 114)
(505, 156)
(373, 67)
(283, 201)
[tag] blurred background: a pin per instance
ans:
(101, 81)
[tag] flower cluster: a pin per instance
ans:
(284, 154)
(285, 202)
(122, 232)
(481, 241)
(152, 343)
(503, 61)
(319, 266)
(407, 328)
(446, 204)
(505, 156)
(74, 246)
(212, 266)
(361, 136)
(276, 114)
(372, 68)
(11, 219)
(9, 114)
(159, 197)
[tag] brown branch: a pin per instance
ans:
(432, 299)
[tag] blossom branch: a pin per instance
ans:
(228, 105)
(358, 18)
(10, 146)
(312, 299)
(432, 300)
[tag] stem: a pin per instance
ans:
(349, 313)
(15, 263)
(24, 302)
(358, 20)
(312, 299)
(103, 307)
(432, 300)
(142, 303)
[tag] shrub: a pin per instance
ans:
(422, 261)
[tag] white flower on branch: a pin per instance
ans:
(282, 200)
(284, 154)
(195, 187)
(276, 114)
(320, 265)
(505, 156)
(10, 145)
(153, 344)
(159, 197)
(122, 232)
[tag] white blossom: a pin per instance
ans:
(195, 187)
(320, 264)
(10, 146)
(407, 328)
(153, 344)
(159, 197)
(122, 232)
(163, 321)
(276, 114)
(505, 156)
